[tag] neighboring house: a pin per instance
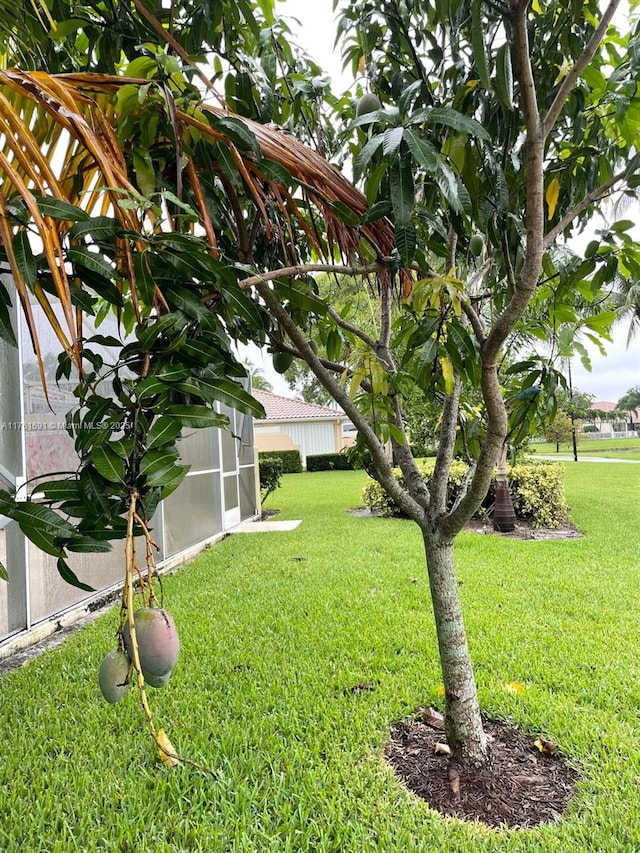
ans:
(220, 491)
(624, 423)
(296, 425)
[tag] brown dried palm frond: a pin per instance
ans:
(59, 140)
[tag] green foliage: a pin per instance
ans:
(560, 429)
(537, 491)
(377, 500)
(291, 460)
(271, 470)
(329, 462)
(630, 402)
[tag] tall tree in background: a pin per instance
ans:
(501, 129)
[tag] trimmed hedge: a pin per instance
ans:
(537, 491)
(291, 461)
(329, 462)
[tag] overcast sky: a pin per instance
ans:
(610, 378)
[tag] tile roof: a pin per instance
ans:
(287, 409)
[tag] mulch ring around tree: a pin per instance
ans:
(523, 529)
(527, 784)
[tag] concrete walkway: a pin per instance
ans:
(265, 526)
(564, 457)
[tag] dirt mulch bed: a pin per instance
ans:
(524, 786)
(523, 529)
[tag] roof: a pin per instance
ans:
(287, 409)
(603, 406)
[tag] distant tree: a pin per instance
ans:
(575, 404)
(259, 381)
(560, 431)
(629, 404)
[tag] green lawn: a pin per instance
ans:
(276, 629)
(608, 448)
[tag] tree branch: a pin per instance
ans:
(349, 327)
(594, 195)
(474, 319)
(304, 269)
(384, 469)
(446, 446)
(574, 74)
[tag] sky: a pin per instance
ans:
(611, 376)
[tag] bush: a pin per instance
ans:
(270, 473)
(377, 500)
(291, 461)
(537, 491)
(538, 495)
(329, 462)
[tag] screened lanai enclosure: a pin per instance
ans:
(219, 491)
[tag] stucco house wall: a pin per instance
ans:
(296, 425)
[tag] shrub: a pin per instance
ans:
(329, 462)
(538, 495)
(270, 473)
(537, 491)
(291, 461)
(377, 500)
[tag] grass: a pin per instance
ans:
(607, 448)
(276, 631)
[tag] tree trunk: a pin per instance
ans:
(463, 724)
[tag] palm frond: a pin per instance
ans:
(59, 135)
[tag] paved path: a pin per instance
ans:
(563, 457)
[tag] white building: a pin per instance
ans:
(296, 425)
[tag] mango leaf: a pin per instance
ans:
(377, 211)
(344, 213)
(450, 118)
(90, 260)
(58, 209)
(145, 284)
(232, 394)
(477, 44)
(6, 329)
(301, 295)
(197, 416)
(428, 354)
(88, 545)
(406, 241)
(60, 490)
(107, 462)
(365, 155)
(504, 76)
(96, 491)
(35, 517)
(242, 305)
(426, 156)
(239, 134)
(448, 374)
(69, 576)
(25, 258)
(100, 228)
(4, 575)
(172, 480)
(391, 140)
(155, 461)
(551, 197)
(334, 345)
(402, 189)
(163, 431)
